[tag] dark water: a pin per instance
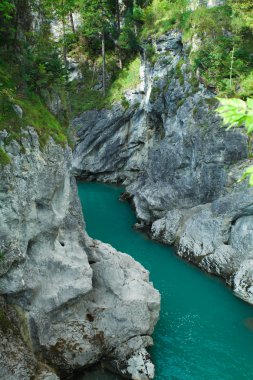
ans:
(204, 331)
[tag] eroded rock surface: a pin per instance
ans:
(180, 168)
(79, 298)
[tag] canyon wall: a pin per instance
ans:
(67, 301)
(179, 166)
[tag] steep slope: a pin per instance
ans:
(179, 166)
(78, 300)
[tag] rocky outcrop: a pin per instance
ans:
(180, 168)
(79, 301)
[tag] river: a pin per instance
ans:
(204, 331)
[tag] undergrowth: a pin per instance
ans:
(84, 97)
(35, 113)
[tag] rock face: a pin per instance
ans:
(179, 166)
(79, 300)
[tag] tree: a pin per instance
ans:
(98, 21)
(7, 10)
(62, 10)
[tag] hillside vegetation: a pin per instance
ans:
(34, 65)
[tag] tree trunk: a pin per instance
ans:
(118, 15)
(64, 48)
(72, 22)
(104, 62)
(231, 67)
(119, 29)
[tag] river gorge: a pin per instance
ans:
(126, 207)
(204, 332)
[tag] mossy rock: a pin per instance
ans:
(5, 323)
(4, 160)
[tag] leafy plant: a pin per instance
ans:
(237, 113)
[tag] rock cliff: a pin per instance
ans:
(68, 301)
(180, 168)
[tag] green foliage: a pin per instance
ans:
(6, 9)
(127, 79)
(180, 103)
(41, 67)
(35, 113)
(248, 173)
(4, 160)
(223, 58)
(128, 39)
(85, 98)
(163, 15)
(38, 116)
(97, 17)
(243, 12)
(237, 113)
(125, 103)
(179, 73)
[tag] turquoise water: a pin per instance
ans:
(204, 331)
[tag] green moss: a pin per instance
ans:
(212, 102)
(151, 54)
(179, 73)
(24, 326)
(180, 103)
(194, 82)
(4, 160)
(136, 105)
(5, 323)
(165, 60)
(154, 93)
(194, 111)
(125, 103)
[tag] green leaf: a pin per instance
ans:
(251, 180)
(250, 103)
(248, 173)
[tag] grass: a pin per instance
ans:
(35, 112)
(39, 117)
(4, 160)
(212, 58)
(128, 79)
(86, 98)
(162, 15)
(179, 73)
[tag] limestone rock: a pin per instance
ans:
(79, 298)
(180, 168)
